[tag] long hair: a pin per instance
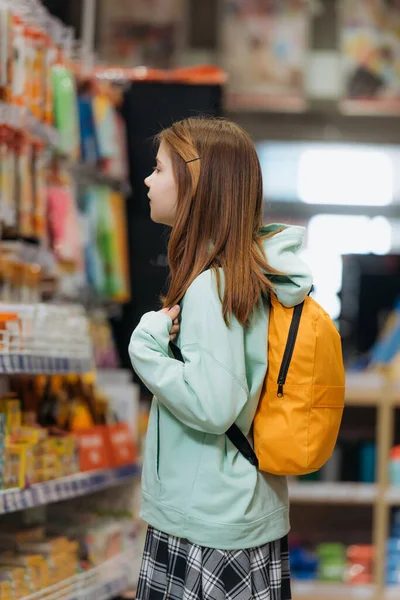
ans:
(218, 213)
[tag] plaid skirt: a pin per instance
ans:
(175, 569)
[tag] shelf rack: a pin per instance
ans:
(65, 488)
(104, 582)
(324, 591)
(26, 364)
(363, 389)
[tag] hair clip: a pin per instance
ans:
(192, 160)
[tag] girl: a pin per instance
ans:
(218, 527)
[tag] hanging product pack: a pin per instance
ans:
(301, 404)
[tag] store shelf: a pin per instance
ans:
(364, 389)
(64, 488)
(20, 118)
(330, 591)
(332, 493)
(15, 364)
(102, 583)
(393, 497)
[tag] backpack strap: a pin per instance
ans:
(234, 434)
(177, 354)
(238, 439)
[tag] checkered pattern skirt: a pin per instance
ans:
(175, 569)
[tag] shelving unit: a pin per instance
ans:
(317, 591)
(65, 488)
(366, 389)
(333, 493)
(26, 364)
(102, 583)
(321, 591)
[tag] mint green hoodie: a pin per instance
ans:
(195, 483)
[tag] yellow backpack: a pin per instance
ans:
(302, 401)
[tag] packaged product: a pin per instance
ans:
(6, 53)
(19, 467)
(18, 60)
(10, 406)
(24, 187)
(66, 111)
(2, 450)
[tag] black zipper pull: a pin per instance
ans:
(288, 353)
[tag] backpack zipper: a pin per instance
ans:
(287, 356)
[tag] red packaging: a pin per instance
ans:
(122, 447)
(93, 447)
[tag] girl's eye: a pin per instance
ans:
(156, 169)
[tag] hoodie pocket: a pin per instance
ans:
(150, 479)
(157, 465)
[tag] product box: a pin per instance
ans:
(42, 571)
(17, 577)
(33, 563)
(45, 547)
(10, 539)
(103, 541)
(122, 447)
(6, 590)
(66, 452)
(26, 435)
(2, 449)
(30, 579)
(93, 449)
(11, 407)
(19, 467)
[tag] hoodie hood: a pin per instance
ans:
(282, 254)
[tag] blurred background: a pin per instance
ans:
(84, 87)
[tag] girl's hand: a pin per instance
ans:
(173, 314)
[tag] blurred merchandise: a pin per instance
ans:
(368, 462)
(30, 561)
(63, 437)
(331, 470)
(386, 351)
(264, 50)
(370, 41)
(21, 273)
(100, 535)
(52, 427)
(56, 117)
(123, 397)
(105, 352)
(106, 246)
(393, 551)
(303, 562)
(89, 148)
(352, 461)
(35, 558)
(102, 129)
(66, 118)
(141, 33)
(331, 562)
(64, 234)
(360, 564)
(394, 465)
(33, 334)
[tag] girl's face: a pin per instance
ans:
(163, 190)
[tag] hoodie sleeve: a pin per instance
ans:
(281, 251)
(209, 390)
